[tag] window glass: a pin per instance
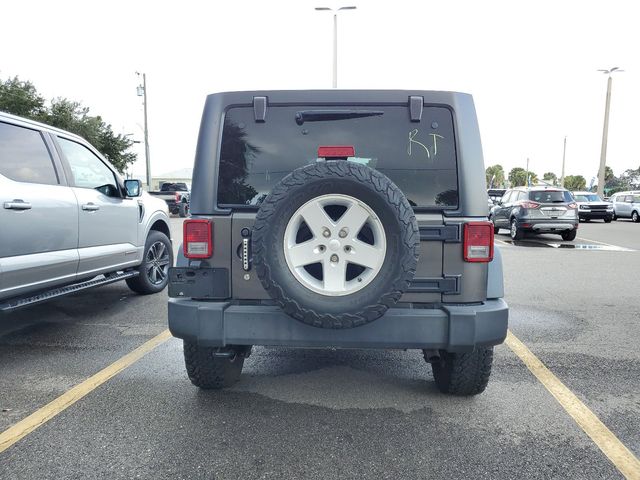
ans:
(550, 196)
(24, 157)
(87, 169)
(506, 197)
(418, 157)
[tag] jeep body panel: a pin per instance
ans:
(451, 304)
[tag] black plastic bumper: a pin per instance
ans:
(454, 328)
(595, 215)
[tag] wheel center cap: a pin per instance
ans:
(334, 245)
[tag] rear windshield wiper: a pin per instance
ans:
(324, 115)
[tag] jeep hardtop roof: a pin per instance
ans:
(466, 141)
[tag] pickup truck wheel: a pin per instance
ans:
(183, 210)
(463, 374)
(569, 236)
(154, 270)
(335, 244)
(211, 372)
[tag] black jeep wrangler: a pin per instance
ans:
(349, 219)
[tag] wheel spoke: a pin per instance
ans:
(160, 273)
(353, 219)
(151, 272)
(160, 250)
(303, 254)
(316, 218)
(364, 254)
(163, 261)
(334, 275)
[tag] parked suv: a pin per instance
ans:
(347, 219)
(626, 205)
(69, 222)
(591, 206)
(536, 210)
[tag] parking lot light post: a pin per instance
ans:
(142, 92)
(605, 131)
(564, 154)
(335, 38)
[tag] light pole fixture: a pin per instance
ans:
(141, 91)
(335, 38)
(605, 131)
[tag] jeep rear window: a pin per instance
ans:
(418, 156)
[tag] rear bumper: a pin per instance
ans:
(548, 225)
(454, 328)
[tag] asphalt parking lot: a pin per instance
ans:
(337, 414)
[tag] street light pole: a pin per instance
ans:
(335, 39)
(142, 92)
(605, 131)
(564, 152)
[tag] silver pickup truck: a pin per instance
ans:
(68, 222)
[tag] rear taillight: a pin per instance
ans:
(529, 204)
(573, 205)
(478, 242)
(197, 238)
(177, 197)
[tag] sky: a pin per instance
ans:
(531, 66)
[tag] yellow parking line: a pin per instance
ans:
(40, 417)
(606, 441)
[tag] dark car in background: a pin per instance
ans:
(536, 210)
(494, 194)
(591, 207)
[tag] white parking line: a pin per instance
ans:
(603, 243)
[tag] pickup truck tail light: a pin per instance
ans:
(197, 238)
(478, 242)
(177, 197)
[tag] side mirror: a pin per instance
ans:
(133, 188)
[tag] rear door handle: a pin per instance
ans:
(17, 205)
(90, 207)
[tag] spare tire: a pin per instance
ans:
(335, 244)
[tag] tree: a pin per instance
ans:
(608, 174)
(494, 176)
(518, 177)
(21, 98)
(550, 177)
(575, 182)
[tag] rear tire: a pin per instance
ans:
(463, 374)
(209, 372)
(635, 217)
(154, 270)
(496, 230)
(569, 236)
(515, 232)
(608, 220)
(183, 210)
